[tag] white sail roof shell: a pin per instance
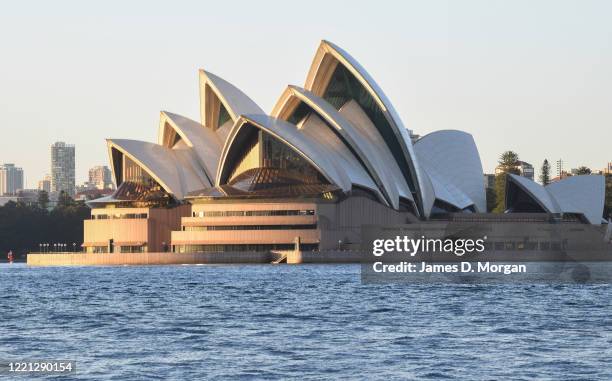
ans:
(451, 160)
(316, 73)
(326, 161)
(235, 101)
(580, 194)
(361, 136)
(176, 170)
(205, 142)
(316, 130)
(387, 167)
(575, 194)
(537, 191)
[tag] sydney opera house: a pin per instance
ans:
(331, 156)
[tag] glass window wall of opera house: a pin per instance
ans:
(331, 156)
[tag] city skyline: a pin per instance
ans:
(12, 177)
(540, 88)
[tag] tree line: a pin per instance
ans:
(23, 227)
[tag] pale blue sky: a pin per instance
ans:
(531, 76)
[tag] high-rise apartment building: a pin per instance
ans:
(100, 177)
(11, 179)
(62, 168)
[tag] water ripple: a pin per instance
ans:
(256, 322)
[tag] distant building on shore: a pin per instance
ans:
(28, 196)
(100, 177)
(62, 168)
(489, 180)
(91, 193)
(525, 169)
(11, 179)
(561, 176)
(6, 199)
(45, 184)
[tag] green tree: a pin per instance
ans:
(545, 173)
(582, 170)
(491, 201)
(64, 201)
(23, 228)
(508, 163)
(43, 200)
(608, 204)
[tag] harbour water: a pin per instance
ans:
(298, 322)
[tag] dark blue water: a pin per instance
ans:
(298, 322)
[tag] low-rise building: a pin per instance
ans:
(45, 184)
(132, 229)
(525, 169)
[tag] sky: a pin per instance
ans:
(530, 76)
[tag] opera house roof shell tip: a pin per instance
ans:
(338, 134)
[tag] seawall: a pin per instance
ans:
(325, 256)
(118, 259)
